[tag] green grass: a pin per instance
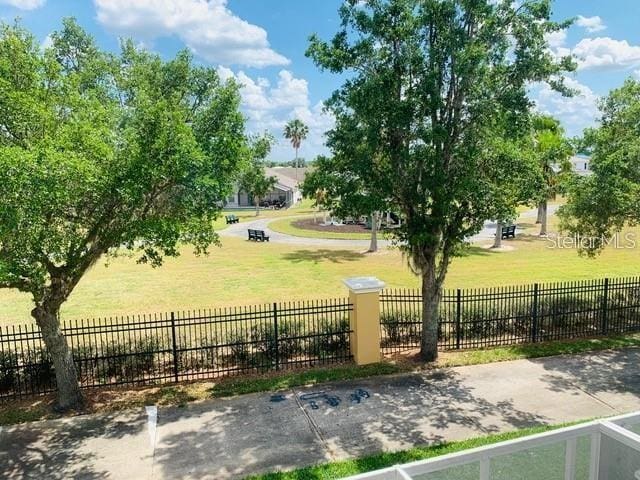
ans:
(249, 214)
(335, 470)
(537, 350)
(241, 272)
(10, 415)
(286, 225)
(242, 385)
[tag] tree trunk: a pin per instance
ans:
(69, 394)
(539, 217)
(543, 219)
(497, 243)
(296, 167)
(373, 246)
(257, 206)
(431, 293)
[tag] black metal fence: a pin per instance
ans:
(163, 348)
(513, 315)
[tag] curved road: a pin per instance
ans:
(240, 230)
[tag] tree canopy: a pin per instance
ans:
(101, 152)
(430, 83)
(602, 204)
(253, 179)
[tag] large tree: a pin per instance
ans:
(602, 204)
(100, 152)
(254, 180)
(425, 82)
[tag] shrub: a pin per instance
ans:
(238, 347)
(288, 345)
(8, 376)
(333, 338)
(401, 327)
(37, 371)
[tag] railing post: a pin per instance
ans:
(364, 318)
(534, 315)
(605, 307)
(275, 334)
(174, 346)
(458, 319)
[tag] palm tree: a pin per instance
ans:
(296, 131)
(553, 151)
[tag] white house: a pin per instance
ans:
(580, 164)
(286, 191)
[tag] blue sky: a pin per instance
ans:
(262, 43)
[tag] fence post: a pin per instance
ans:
(174, 346)
(364, 318)
(534, 315)
(458, 319)
(275, 334)
(605, 307)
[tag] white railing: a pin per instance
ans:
(599, 450)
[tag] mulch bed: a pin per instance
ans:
(308, 224)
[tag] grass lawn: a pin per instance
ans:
(242, 272)
(249, 214)
(341, 469)
(285, 225)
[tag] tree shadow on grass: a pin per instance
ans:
(322, 255)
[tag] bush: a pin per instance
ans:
(129, 360)
(238, 347)
(37, 372)
(8, 376)
(333, 339)
(288, 345)
(205, 357)
(401, 327)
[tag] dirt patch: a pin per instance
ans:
(309, 224)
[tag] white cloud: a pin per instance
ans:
(556, 39)
(46, 43)
(576, 113)
(268, 107)
(604, 52)
(591, 24)
(208, 28)
(24, 4)
(636, 74)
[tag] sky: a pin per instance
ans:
(261, 43)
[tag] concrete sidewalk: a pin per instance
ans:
(231, 438)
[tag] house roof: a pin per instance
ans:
(287, 176)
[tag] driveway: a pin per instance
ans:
(232, 438)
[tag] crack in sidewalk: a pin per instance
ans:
(315, 428)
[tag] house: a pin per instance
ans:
(286, 190)
(580, 164)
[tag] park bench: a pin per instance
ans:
(509, 232)
(258, 236)
(231, 219)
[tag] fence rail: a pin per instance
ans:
(201, 344)
(162, 348)
(477, 318)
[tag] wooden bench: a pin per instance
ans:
(509, 232)
(258, 235)
(231, 219)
